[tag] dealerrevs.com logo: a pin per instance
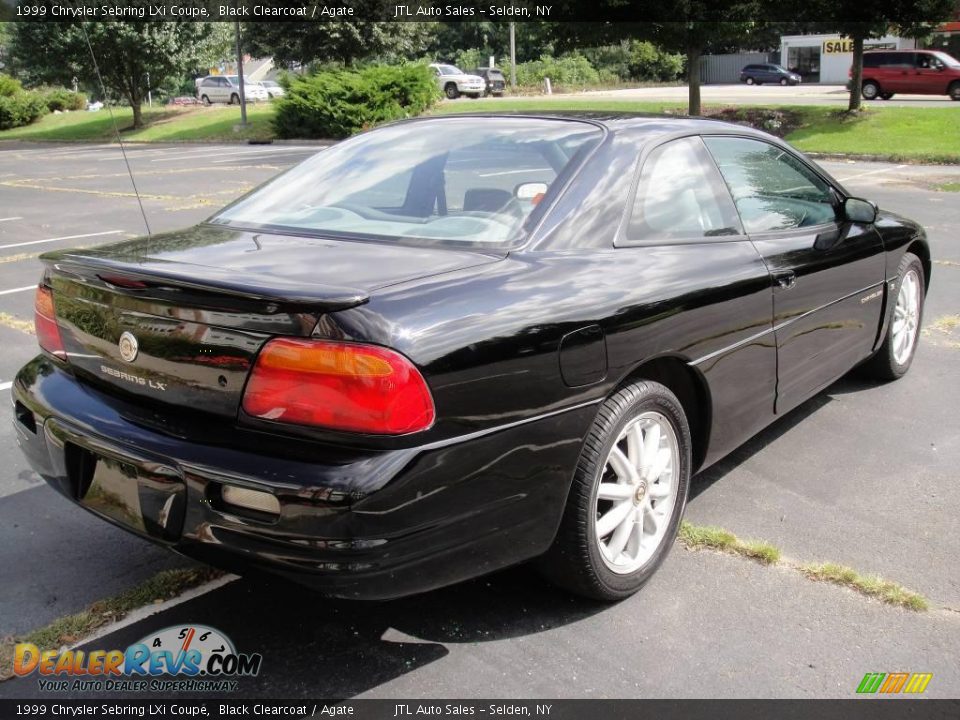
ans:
(176, 659)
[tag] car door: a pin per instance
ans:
(928, 75)
(899, 73)
(683, 247)
(827, 273)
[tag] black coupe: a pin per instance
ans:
(454, 344)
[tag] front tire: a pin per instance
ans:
(451, 91)
(205, 100)
(895, 355)
(627, 498)
(784, 82)
(234, 99)
(870, 90)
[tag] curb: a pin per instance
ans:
(897, 159)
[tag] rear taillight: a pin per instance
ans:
(45, 322)
(341, 386)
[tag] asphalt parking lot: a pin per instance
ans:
(863, 474)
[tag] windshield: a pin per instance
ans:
(457, 181)
(449, 70)
(948, 60)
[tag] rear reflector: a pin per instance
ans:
(341, 386)
(250, 499)
(45, 323)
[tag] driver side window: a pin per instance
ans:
(771, 189)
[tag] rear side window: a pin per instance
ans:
(772, 189)
(680, 196)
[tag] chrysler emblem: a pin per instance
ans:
(128, 347)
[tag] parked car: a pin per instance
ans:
(226, 88)
(454, 82)
(453, 344)
(768, 73)
(922, 72)
(273, 88)
(494, 82)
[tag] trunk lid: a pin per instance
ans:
(179, 318)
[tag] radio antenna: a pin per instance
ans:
(116, 130)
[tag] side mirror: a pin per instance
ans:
(531, 191)
(859, 211)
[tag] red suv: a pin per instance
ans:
(923, 72)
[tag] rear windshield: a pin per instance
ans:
(462, 181)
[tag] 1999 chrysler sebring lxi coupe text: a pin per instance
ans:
(454, 344)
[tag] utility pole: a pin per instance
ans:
(243, 95)
(513, 57)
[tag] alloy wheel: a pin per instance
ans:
(637, 493)
(906, 315)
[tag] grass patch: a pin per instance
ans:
(918, 134)
(948, 187)
(698, 537)
(926, 134)
(15, 323)
(166, 124)
(870, 585)
(706, 537)
(945, 323)
(73, 628)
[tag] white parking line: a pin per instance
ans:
(11, 218)
(65, 237)
(16, 290)
(6, 385)
(213, 152)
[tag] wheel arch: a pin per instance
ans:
(922, 250)
(691, 389)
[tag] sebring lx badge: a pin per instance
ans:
(121, 375)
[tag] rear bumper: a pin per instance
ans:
(376, 526)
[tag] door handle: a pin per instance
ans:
(786, 280)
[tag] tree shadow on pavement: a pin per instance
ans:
(316, 647)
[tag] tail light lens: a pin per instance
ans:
(45, 323)
(341, 386)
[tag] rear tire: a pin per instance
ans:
(870, 90)
(639, 451)
(749, 81)
(205, 100)
(895, 355)
(954, 90)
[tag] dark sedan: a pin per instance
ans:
(768, 73)
(455, 344)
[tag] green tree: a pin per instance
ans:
(134, 57)
(302, 42)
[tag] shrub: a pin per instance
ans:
(61, 99)
(572, 69)
(339, 103)
(9, 86)
(648, 62)
(20, 108)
